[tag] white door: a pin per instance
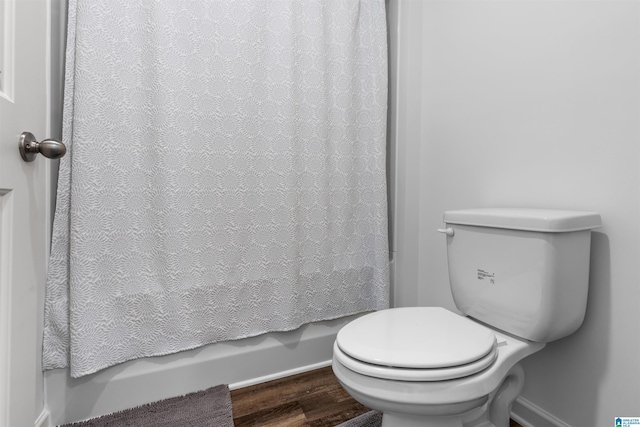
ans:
(24, 208)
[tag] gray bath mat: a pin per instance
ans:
(370, 419)
(207, 408)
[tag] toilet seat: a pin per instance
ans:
(415, 344)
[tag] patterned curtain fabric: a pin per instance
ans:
(225, 174)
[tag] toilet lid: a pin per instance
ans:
(416, 337)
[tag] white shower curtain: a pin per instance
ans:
(225, 174)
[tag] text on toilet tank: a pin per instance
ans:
(485, 275)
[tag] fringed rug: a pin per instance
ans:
(207, 408)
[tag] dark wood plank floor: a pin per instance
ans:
(313, 399)
(310, 399)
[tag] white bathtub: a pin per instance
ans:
(237, 363)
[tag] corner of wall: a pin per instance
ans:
(406, 106)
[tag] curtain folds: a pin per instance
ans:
(225, 174)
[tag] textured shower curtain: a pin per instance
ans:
(225, 174)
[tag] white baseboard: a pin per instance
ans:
(43, 419)
(528, 414)
(279, 375)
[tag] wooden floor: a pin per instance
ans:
(310, 399)
(313, 399)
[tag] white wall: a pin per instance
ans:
(529, 104)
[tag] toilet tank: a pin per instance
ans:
(524, 271)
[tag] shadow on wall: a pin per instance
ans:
(583, 357)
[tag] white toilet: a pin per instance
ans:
(519, 277)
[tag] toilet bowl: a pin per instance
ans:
(427, 366)
(520, 279)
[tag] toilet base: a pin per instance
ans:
(407, 420)
(492, 410)
(494, 413)
(395, 420)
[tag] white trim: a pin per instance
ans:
(528, 414)
(396, 120)
(47, 78)
(6, 237)
(9, 59)
(43, 419)
(278, 375)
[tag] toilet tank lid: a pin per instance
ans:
(541, 220)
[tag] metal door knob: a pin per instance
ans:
(30, 147)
